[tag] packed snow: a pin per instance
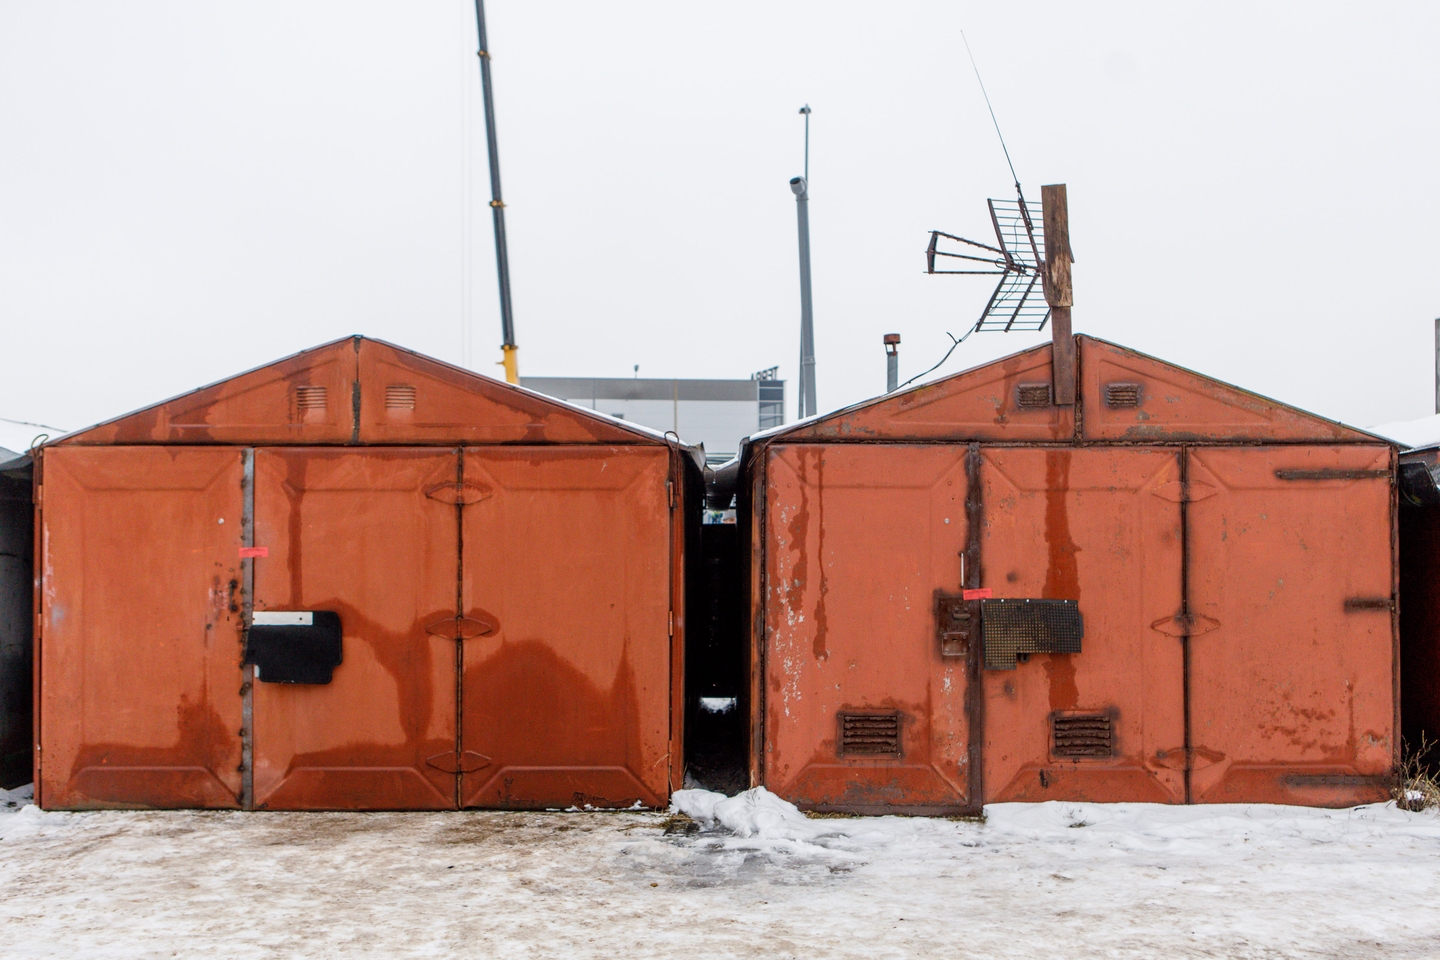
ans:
(744, 876)
(1424, 432)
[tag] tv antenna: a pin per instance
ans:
(1023, 299)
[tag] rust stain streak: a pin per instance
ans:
(1062, 578)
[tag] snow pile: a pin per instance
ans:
(756, 813)
(18, 812)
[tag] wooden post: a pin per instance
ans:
(1058, 293)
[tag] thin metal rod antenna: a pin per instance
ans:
(1013, 174)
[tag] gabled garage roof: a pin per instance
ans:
(361, 391)
(1124, 396)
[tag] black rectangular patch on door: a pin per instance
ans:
(1010, 628)
(302, 646)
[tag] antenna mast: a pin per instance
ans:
(510, 361)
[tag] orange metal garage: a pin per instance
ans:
(463, 594)
(1171, 591)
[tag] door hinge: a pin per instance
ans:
(453, 493)
(1175, 491)
(670, 493)
(467, 762)
(1182, 625)
(461, 628)
(672, 623)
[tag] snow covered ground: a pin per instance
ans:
(1035, 880)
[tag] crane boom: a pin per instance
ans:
(510, 351)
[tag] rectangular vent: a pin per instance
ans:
(399, 396)
(1081, 735)
(870, 734)
(1032, 395)
(309, 398)
(1122, 394)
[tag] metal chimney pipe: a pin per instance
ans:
(892, 362)
(807, 318)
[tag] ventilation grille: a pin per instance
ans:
(1031, 395)
(309, 398)
(1082, 735)
(1122, 394)
(870, 734)
(399, 396)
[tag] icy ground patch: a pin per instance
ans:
(1035, 880)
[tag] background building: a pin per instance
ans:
(717, 413)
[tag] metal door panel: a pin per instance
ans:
(858, 539)
(1292, 690)
(353, 531)
(568, 563)
(140, 628)
(1100, 526)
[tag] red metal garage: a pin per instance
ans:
(1171, 591)
(463, 594)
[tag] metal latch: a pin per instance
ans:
(954, 620)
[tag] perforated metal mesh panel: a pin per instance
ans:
(1013, 627)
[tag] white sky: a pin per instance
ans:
(190, 189)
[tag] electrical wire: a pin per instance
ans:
(937, 366)
(27, 423)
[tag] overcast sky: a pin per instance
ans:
(190, 189)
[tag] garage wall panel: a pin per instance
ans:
(140, 628)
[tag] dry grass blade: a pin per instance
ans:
(1416, 786)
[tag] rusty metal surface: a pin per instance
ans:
(1125, 396)
(352, 531)
(982, 403)
(304, 398)
(1094, 525)
(1172, 404)
(139, 672)
(1214, 681)
(568, 701)
(567, 633)
(359, 390)
(858, 541)
(409, 398)
(1288, 683)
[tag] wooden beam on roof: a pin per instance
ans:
(1058, 293)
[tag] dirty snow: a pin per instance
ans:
(753, 877)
